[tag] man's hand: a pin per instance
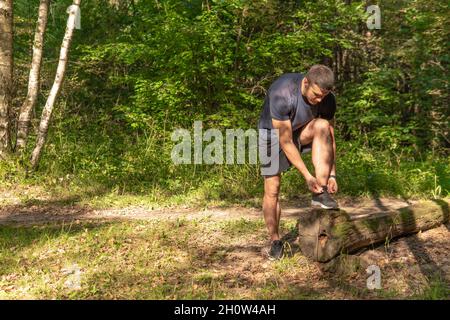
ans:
(313, 185)
(332, 185)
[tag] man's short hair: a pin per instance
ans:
(321, 75)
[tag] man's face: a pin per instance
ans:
(314, 93)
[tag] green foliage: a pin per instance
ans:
(401, 102)
(139, 69)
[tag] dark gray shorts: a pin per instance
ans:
(272, 158)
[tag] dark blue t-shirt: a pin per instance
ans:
(284, 101)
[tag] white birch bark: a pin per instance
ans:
(33, 81)
(6, 72)
(60, 71)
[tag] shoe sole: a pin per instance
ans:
(272, 258)
(275, 259)
(321, 205)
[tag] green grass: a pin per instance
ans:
(242, 226)
(166, 259)
(115, 259)
(437, 289)
(100, 171)
(193, 259)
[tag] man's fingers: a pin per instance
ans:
(316, 188)
(335, 187)
(332, 186)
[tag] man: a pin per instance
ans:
(297, 117)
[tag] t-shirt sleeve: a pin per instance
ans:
(279, 106)
(328, 107)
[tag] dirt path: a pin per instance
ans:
(48, 213)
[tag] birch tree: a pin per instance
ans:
(6, 72)
(33, 82)
(72, 22)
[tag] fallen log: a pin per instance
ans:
(324, 234)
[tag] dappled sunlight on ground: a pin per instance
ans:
(213, 253)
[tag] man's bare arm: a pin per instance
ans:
(288, 146)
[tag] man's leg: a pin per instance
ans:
(318, 132)
(271, 205)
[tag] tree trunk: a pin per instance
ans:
(324, 234)
(33, 82)
(60, 71)
(6, 72)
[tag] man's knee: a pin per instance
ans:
(321, 125)
(272, 187)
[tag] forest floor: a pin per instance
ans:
(137, 252)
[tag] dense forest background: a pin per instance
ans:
(139, 69)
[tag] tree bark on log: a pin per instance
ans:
(60, 72)
(324, 234)
(6, 73)
(33, 82)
